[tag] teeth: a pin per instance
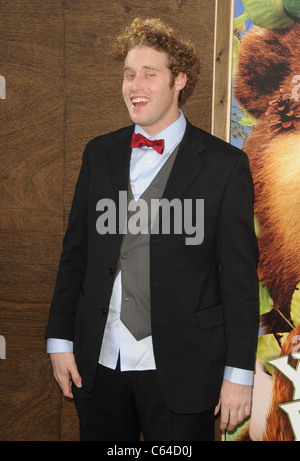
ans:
(136, 100)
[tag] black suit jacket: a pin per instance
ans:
(204, 298)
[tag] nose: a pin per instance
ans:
(137, 83)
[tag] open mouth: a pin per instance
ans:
(139, 102)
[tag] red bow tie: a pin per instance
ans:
(138, 140)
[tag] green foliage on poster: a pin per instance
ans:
(269, 345)
(295, 306)
(292, 7)
(265, 300)
(270, 14)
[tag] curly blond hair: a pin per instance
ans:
(154, 33)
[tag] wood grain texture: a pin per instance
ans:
(28, 266)
(31, 209)
(30, 401)
(32, 116)
(222, 69)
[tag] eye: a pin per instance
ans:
(128, 76)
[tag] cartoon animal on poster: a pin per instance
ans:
(266, 86)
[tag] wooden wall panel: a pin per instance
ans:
(30, 401)
(222, 69)
(31, 168)
(28, 265)
(31, 210)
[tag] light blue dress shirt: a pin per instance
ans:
(138, 355)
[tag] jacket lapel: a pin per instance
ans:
(118, 160)
(187, 165)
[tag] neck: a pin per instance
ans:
(155, 130)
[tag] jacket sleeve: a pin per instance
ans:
(73, 261)
(238, 252)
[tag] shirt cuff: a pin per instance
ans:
(238, 376)
(59, 345)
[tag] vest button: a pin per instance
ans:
(123, 256)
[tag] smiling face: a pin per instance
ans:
(148, 90)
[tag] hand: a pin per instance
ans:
(65, 371)
(235, 403)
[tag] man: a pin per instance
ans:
(153, 332)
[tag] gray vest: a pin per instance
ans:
(134, 258)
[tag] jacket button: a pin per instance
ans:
(103, 311)
(110, 270)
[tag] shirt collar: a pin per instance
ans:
(172, 135)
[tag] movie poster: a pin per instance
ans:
(265, 122)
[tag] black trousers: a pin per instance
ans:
(124, 405)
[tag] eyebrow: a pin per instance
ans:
(144, 67)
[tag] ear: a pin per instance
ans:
(180, 81)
